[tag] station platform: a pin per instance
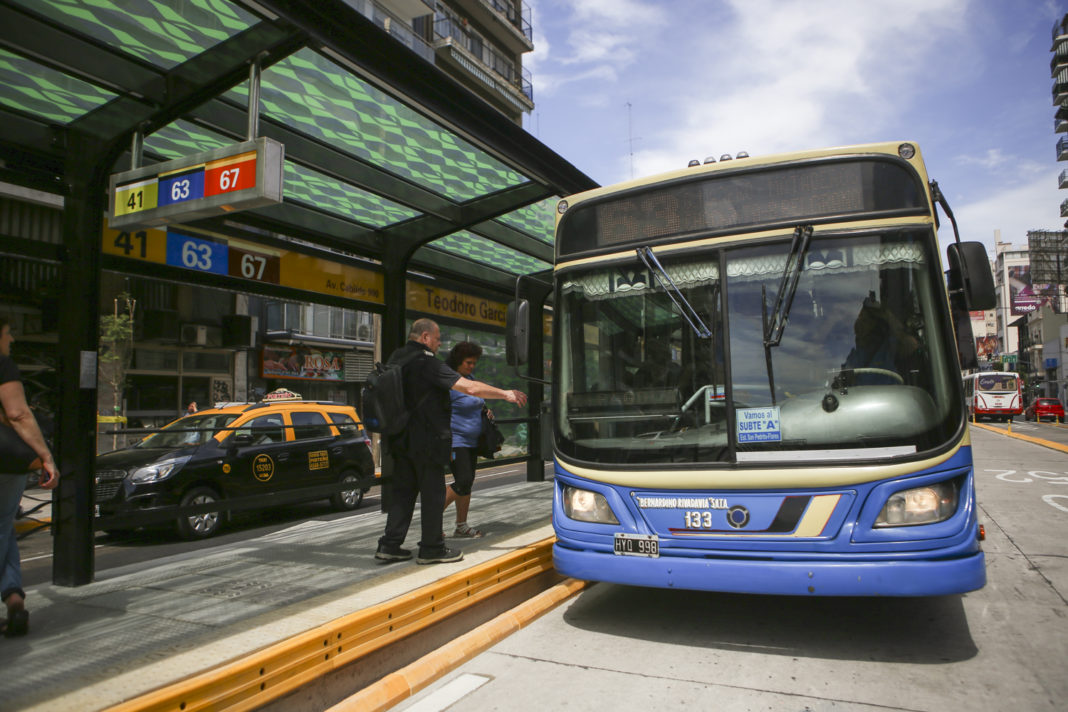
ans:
(144, 627)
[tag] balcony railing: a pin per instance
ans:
(1062, 181)
(519, 18)
(395, 26)
(1060, 55)
(1060, 27)
(1062, 148)
(1060, 86)
(1064, 209)
(477, 46)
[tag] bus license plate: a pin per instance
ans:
(637, 545)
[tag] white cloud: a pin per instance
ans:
(1033, 205)
(608, 34)
(805, 74)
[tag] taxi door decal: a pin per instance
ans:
(263, 467)
(318, 460)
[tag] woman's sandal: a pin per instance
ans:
(467, 531)
(17, 624)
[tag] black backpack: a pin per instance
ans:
(384, 410)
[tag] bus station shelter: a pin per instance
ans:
(389, 165)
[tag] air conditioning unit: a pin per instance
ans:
(194, 334)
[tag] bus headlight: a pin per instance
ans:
(921, 505)
(585, 506)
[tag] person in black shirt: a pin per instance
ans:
(16, 413)
(422, 451)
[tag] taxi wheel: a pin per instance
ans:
(348, 500)
(199, 526)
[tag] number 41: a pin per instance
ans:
(125, 242)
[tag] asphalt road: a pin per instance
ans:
(626, 648)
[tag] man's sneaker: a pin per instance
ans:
(444, 556)
(466, 531)
(392, 553)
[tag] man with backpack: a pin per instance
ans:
(421, 451)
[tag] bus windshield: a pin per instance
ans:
(861, 369)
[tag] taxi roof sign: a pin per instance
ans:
(236, 177)
(281, 394)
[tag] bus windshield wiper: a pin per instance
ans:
(645, 254)
(776, 323)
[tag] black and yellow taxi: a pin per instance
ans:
(279, 446)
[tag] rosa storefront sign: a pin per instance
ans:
(302, 362)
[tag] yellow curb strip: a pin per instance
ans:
(25, 525)
(407, 681)
(1028, 438)
(258, 678)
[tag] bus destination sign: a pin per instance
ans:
(237, 177)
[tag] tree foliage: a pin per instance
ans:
(116, 345)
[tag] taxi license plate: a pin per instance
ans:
(637, 545)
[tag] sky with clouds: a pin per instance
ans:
(629, 88)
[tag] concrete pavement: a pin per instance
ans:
(137, 628)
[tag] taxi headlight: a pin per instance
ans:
(585, 506)
(158, 470)
(920, 505)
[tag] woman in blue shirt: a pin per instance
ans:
(466, 426)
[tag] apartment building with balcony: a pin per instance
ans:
(479, 43)
(1058, 67)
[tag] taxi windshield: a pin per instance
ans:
(190, 430)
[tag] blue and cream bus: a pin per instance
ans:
(756, 379)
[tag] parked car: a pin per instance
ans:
(279, 445)
(1040, 408)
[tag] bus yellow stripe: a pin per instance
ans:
(817, 515)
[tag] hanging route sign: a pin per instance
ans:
(238, 177)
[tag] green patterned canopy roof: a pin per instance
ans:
(359, 150)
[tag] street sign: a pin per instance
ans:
(237, 177)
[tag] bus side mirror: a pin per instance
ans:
(516, 338)
(970, 275)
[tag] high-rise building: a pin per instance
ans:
(1058, 66)
(1012, 274)
(479, 43)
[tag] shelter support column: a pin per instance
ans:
(72, 513)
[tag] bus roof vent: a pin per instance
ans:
(710, 159)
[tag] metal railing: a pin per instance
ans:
(476, 45)
(520, 18)
(395, 26)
